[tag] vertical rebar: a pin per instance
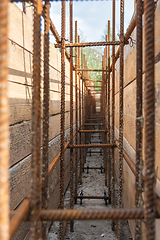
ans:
(106, 119)
(139, 118)
(83, 120)
(76, 110)
(108, 122)
(120, 180)
(4, 125)
(80, 136)
(113, 110)
(103, 94)
(71, 113)
(36, 126)
(62, 128)
(149, 111)
(45, 115)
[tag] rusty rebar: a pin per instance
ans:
(89, 44)
(35, 203)
(139, 119)
(76, 109)
(103, 94)
(92, 70)
(92, 131)
(93, 146)
(149, 112)
(71, 113)
(4, 125)
(106, 119)
(80, 135)
(113, 108)
(121, 79)
(62, 127)
(93, 124)
(108, 116)
(83, 113)
(45, 116)
(92, 214)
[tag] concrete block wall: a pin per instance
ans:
(130, 117)
(20, 32)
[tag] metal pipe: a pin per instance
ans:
(62, 124)
(149, 112)
(4, 125)
(92, 214)
(35, 203)
(45, 116)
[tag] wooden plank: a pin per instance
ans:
(20, 174)
(20, 137)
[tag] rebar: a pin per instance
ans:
(113, 108)
(35, 203)
(71, 113)
(89, 44)
(92, 131)
(45, 116)
(93, 146)
(104, 112)
(62, 128)
(139, 119)
(92, 70)
(149, 112)
(108, 116)
(92, 214)
(76, 110)
(80, 122)
(4, 125)
(120, 181)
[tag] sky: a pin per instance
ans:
(92, 17)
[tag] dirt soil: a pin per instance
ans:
(93, 184)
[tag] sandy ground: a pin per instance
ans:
(93, 184)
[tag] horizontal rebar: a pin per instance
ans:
(91, 197)
(92, 70)
(93, 80)
(92, 131)
(93, 146)
(93, 124)
(92, 168)
(94, 152)
(94, 86)
(92, 214)
(89, 44)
